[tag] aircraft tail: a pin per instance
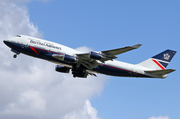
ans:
(159, 61)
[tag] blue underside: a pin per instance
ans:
(47, 55)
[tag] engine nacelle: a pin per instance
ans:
(69, 58)
(62, 69)
(95, 55)
(65, 57)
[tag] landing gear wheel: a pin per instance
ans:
(15, 56)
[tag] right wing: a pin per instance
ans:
(120, 50)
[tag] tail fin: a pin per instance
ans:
(159, 61)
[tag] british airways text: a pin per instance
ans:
(44, 44)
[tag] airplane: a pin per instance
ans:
(83, 64)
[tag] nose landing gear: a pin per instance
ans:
(15, 55)
(15, 51)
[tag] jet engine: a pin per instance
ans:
(69, 58)
(66, 57)
(95, 55)
(62, 69)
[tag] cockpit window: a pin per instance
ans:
(18, 36)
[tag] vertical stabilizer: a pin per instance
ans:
(159, 61)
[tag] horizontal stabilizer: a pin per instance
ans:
(160, 72)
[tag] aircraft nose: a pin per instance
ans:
(5, 42)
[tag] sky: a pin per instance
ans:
(30, 88)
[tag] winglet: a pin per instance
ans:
(136, 46)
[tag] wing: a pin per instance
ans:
(91, 60)
(121, 50)
(107, 54)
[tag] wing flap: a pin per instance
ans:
(160, 72)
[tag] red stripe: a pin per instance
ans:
(34, 50)
(158, 64)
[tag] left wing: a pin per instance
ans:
(107, 54)
(90, 60)
(93, 59)
(121, 50)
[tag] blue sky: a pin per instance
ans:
(104, 25)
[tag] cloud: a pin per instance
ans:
(15, 20)
(87, 113)
(160, 117)
(30, 88)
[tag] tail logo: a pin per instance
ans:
(166, 56)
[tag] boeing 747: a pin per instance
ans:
(83, 64)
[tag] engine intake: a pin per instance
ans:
(69, 58)
(65, 57)
(62, 69)
(95, 55)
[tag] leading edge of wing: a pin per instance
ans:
(121, 50)
(108, 54)
(115, 51)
